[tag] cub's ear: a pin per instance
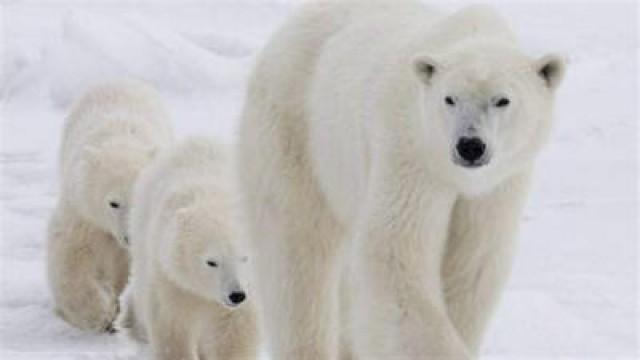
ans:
(426, 67)
(551, 70)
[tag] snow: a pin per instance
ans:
(573, 293)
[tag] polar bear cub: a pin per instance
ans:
(110, 135)
(188, 292)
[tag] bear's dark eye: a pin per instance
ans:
(212, 263)
(449, 101)
(114, 204)
(502, 102)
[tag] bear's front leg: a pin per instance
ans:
(235, 336)
(81, 296)
(478, 258)
(398, 307)
(170, 327)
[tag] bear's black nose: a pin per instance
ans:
(470, 149)
(237, 297)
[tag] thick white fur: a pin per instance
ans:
(183, 217)
(110, 135)
(350, 188)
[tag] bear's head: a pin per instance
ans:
(201, 252)
(486, 109)
(108, 174)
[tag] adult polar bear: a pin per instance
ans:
(396, 143)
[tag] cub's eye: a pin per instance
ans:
(114, 204)
(449, 101)
(212, 263)
(502, 102)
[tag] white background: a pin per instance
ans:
(573, 293)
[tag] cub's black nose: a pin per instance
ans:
(471, 149)
(237, 297)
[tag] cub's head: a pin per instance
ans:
(486, 107)
(201, 253)
(105, 182)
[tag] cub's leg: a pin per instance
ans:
(235, 337)
(82, 294)
(170, 324)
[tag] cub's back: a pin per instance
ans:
(123, 108)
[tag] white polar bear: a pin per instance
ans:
(385, 137)
(110, 135)
(189, 267)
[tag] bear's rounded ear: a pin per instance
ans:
(425, 66)
(551, 70)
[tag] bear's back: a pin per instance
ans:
(125, 108)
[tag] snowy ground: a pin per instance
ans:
(573, 293)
